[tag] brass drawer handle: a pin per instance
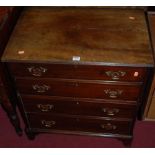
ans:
(115, 75)
(113, 93)
(45, 108)
(48, 124)
(108, 126)
(37, 71)
(40, 88)
(110, 112)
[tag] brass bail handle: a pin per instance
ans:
(113, 93)
(115, 75)
(110, 112)
(48, 124)
(40, 88)
(45, 108)
(37, 71)
(108, 126)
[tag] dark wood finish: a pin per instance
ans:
(41, 104)
(112, 36)
(90, 72)
(126, 142)
(58, 122)
(83, 89)
(30, 134)
(67, 63)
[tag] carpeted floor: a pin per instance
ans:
(144, 136)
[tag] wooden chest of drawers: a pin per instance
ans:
(80, 70)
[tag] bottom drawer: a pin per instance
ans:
(70, 123)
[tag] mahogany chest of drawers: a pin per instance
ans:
(80, 70)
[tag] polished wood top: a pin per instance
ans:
(101, 35)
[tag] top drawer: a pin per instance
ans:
(77, 71)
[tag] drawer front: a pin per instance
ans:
(53, 122)
(78, 89)
(51, 105)
(78, 72)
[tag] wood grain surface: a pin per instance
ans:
(109, 35)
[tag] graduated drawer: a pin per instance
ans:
(77, 71)
(60, 122)
(50, 105)
(81, 89)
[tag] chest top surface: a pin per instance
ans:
(104, 35)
